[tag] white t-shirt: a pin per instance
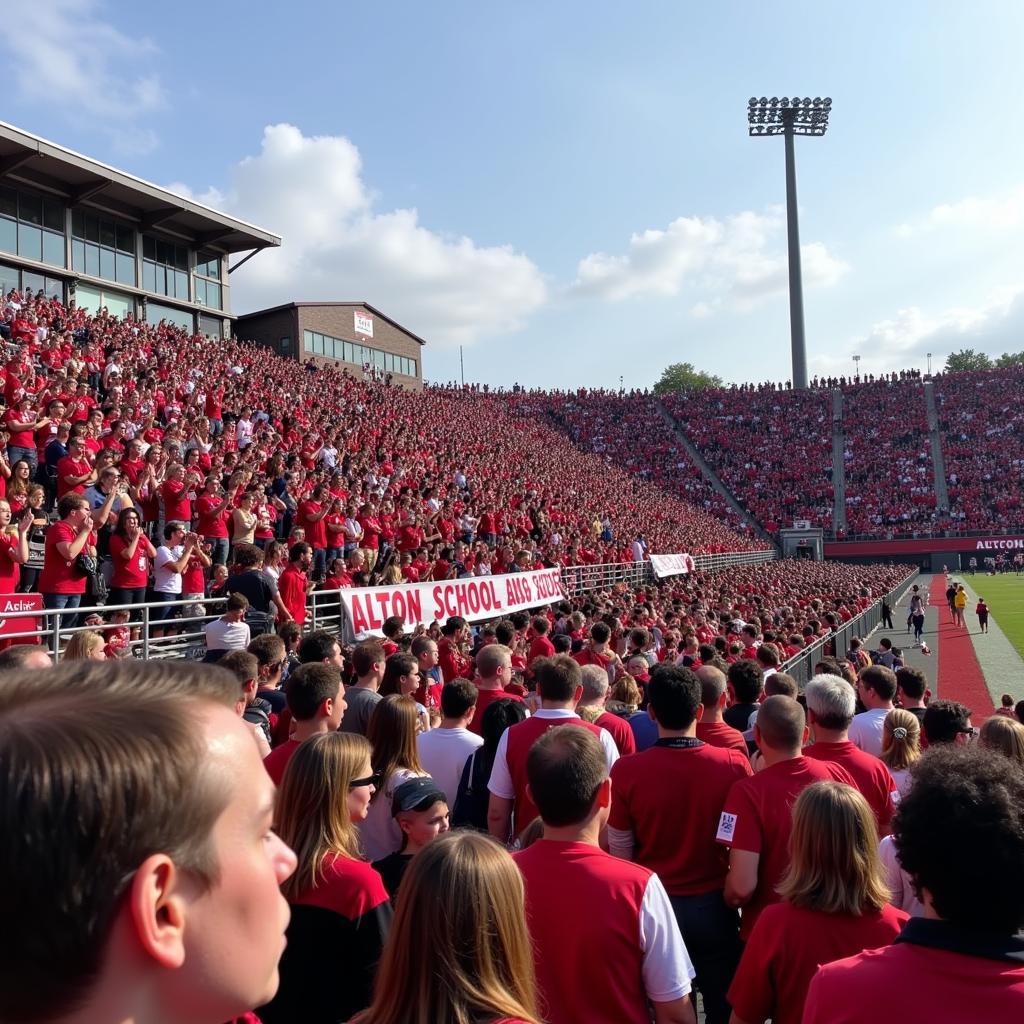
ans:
(866, 730)
(898, 880)
(226, 636)
(167, 581)
(443, 754)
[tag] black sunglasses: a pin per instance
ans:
(370, 780)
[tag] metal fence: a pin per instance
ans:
(837, 643)
(325, 610)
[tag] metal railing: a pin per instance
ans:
(837, 643)
(324, 609)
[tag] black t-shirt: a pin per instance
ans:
(256, 586)
(392, 870)
(738, 716)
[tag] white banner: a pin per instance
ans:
(671, 565)
(364, 323)
(475, 598)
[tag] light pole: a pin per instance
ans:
(929, 364)
(789, 118)
(856, 366)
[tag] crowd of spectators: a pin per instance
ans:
(890, 476)
(628, 431)
(982, 426)
(773, 449)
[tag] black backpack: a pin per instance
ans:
(470, 810)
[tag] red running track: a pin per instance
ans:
(960, 676)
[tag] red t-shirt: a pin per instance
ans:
(19, 438)
(133, 572)
(870, 776)
(541, 647)
(10, 570)
(675, 836)
(210, 525)
(316, 529)
(484, 699)
(718, 734)
(177, 506)
(68, 466)
(59, 576)
(292, 586)
(277, 760)
(620, 732)
(452, 662)
(787, 947)
(758, 818)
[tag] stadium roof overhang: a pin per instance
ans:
(27, 159)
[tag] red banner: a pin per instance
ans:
(982, 546)
(475, 599)
(11, 603)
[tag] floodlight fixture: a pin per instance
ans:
(790, 117)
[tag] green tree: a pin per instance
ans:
(685, 377)
(967, 359)
(1008, 359)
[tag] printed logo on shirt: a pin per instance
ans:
(726, 827)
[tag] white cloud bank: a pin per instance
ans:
(732, 262)
(336, 245)
(64, 54)
(1002, 212)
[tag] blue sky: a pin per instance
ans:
(568, 190)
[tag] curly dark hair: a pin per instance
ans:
(960, 826)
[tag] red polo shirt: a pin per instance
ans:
(908, 981)
(675, 837)
(484, 699)
(758, 818)
(620, 730)
(787, 947)
(292, 586)
(870, 776)
(718, 734)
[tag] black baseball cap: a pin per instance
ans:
(417, 795)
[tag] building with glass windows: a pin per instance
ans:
(351, 333)
(90, 234)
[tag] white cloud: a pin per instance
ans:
(64, 54)
(336, 245)
(741, 259)
(975, 213)
(904, 340)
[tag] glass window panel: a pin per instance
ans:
(87, 298)
(53, 249)
(92, 260)
(378, 359)
(163, 251)
(148, 276)
(200, 290)
(53, 215)
(78, 223)
(8, 278)
(307, 340)
(180, 258)
(30, 208)
(285, 345)
(30, 242)
(8, 235)
(9, 203)
(213, 295)
(118, 304)
(55, 288)
(126, 239)
(33, 282)
(180, 283)
(107, 264)
(78, 256)
(92, 228)
(148, 248)
(108, 236)
(159, 279)
(412, 368)
(125, 268)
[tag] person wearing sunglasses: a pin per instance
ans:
(340, 909)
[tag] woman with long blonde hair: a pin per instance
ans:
(340, 909)
(1005, 735)
(392, 734)
(834, 904)
(901, 746)
(459, 951)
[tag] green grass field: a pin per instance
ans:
(1004, 596)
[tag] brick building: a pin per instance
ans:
(352, 333)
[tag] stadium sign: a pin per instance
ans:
(11, 621)
(922, 546)
(1002, 544)
(671, 565)
(363, 323)
(477, 598)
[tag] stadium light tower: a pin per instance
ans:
(791, 117)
